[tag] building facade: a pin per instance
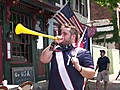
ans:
(19, 54)
(103, 19)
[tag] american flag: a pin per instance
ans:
(85, 40)
(66, 15)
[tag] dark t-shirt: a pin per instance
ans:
(55, 82)
(102, 62)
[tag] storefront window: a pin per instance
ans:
(56, 28)
(39, 26)
(21, 42)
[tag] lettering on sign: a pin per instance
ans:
(22, 74)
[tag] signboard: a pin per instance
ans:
(22, 74)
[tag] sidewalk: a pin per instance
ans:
(41, 85)
(113, 84)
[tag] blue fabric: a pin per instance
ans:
(67, 12)
(55, 82)
(85, 40)
(66, 15)
(102, 62)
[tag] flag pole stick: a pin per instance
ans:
(80, 41)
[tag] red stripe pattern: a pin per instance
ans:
(66, 15)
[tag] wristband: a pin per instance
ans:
(80, 70)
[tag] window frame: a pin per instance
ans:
(20, 43)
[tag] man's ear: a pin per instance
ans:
(73, 36)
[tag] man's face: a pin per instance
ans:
(102, 54)
(67, 37)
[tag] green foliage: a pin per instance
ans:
(109, 3)
(116, 30)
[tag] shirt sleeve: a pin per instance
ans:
(108, 61)
(86, 59)
(98, 61)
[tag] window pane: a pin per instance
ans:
(39, 26)
(21, 42)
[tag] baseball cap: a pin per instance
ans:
(102, 51)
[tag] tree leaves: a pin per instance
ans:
(111, 4)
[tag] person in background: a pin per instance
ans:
(67, 72)
(103, 65)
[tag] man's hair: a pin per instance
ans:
(73, 30)
(102, 51)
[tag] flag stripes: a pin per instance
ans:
(66, 15)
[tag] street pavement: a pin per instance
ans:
(113, 84)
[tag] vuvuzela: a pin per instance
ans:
(20, 29)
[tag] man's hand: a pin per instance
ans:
(75, 62)
(106, 72)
